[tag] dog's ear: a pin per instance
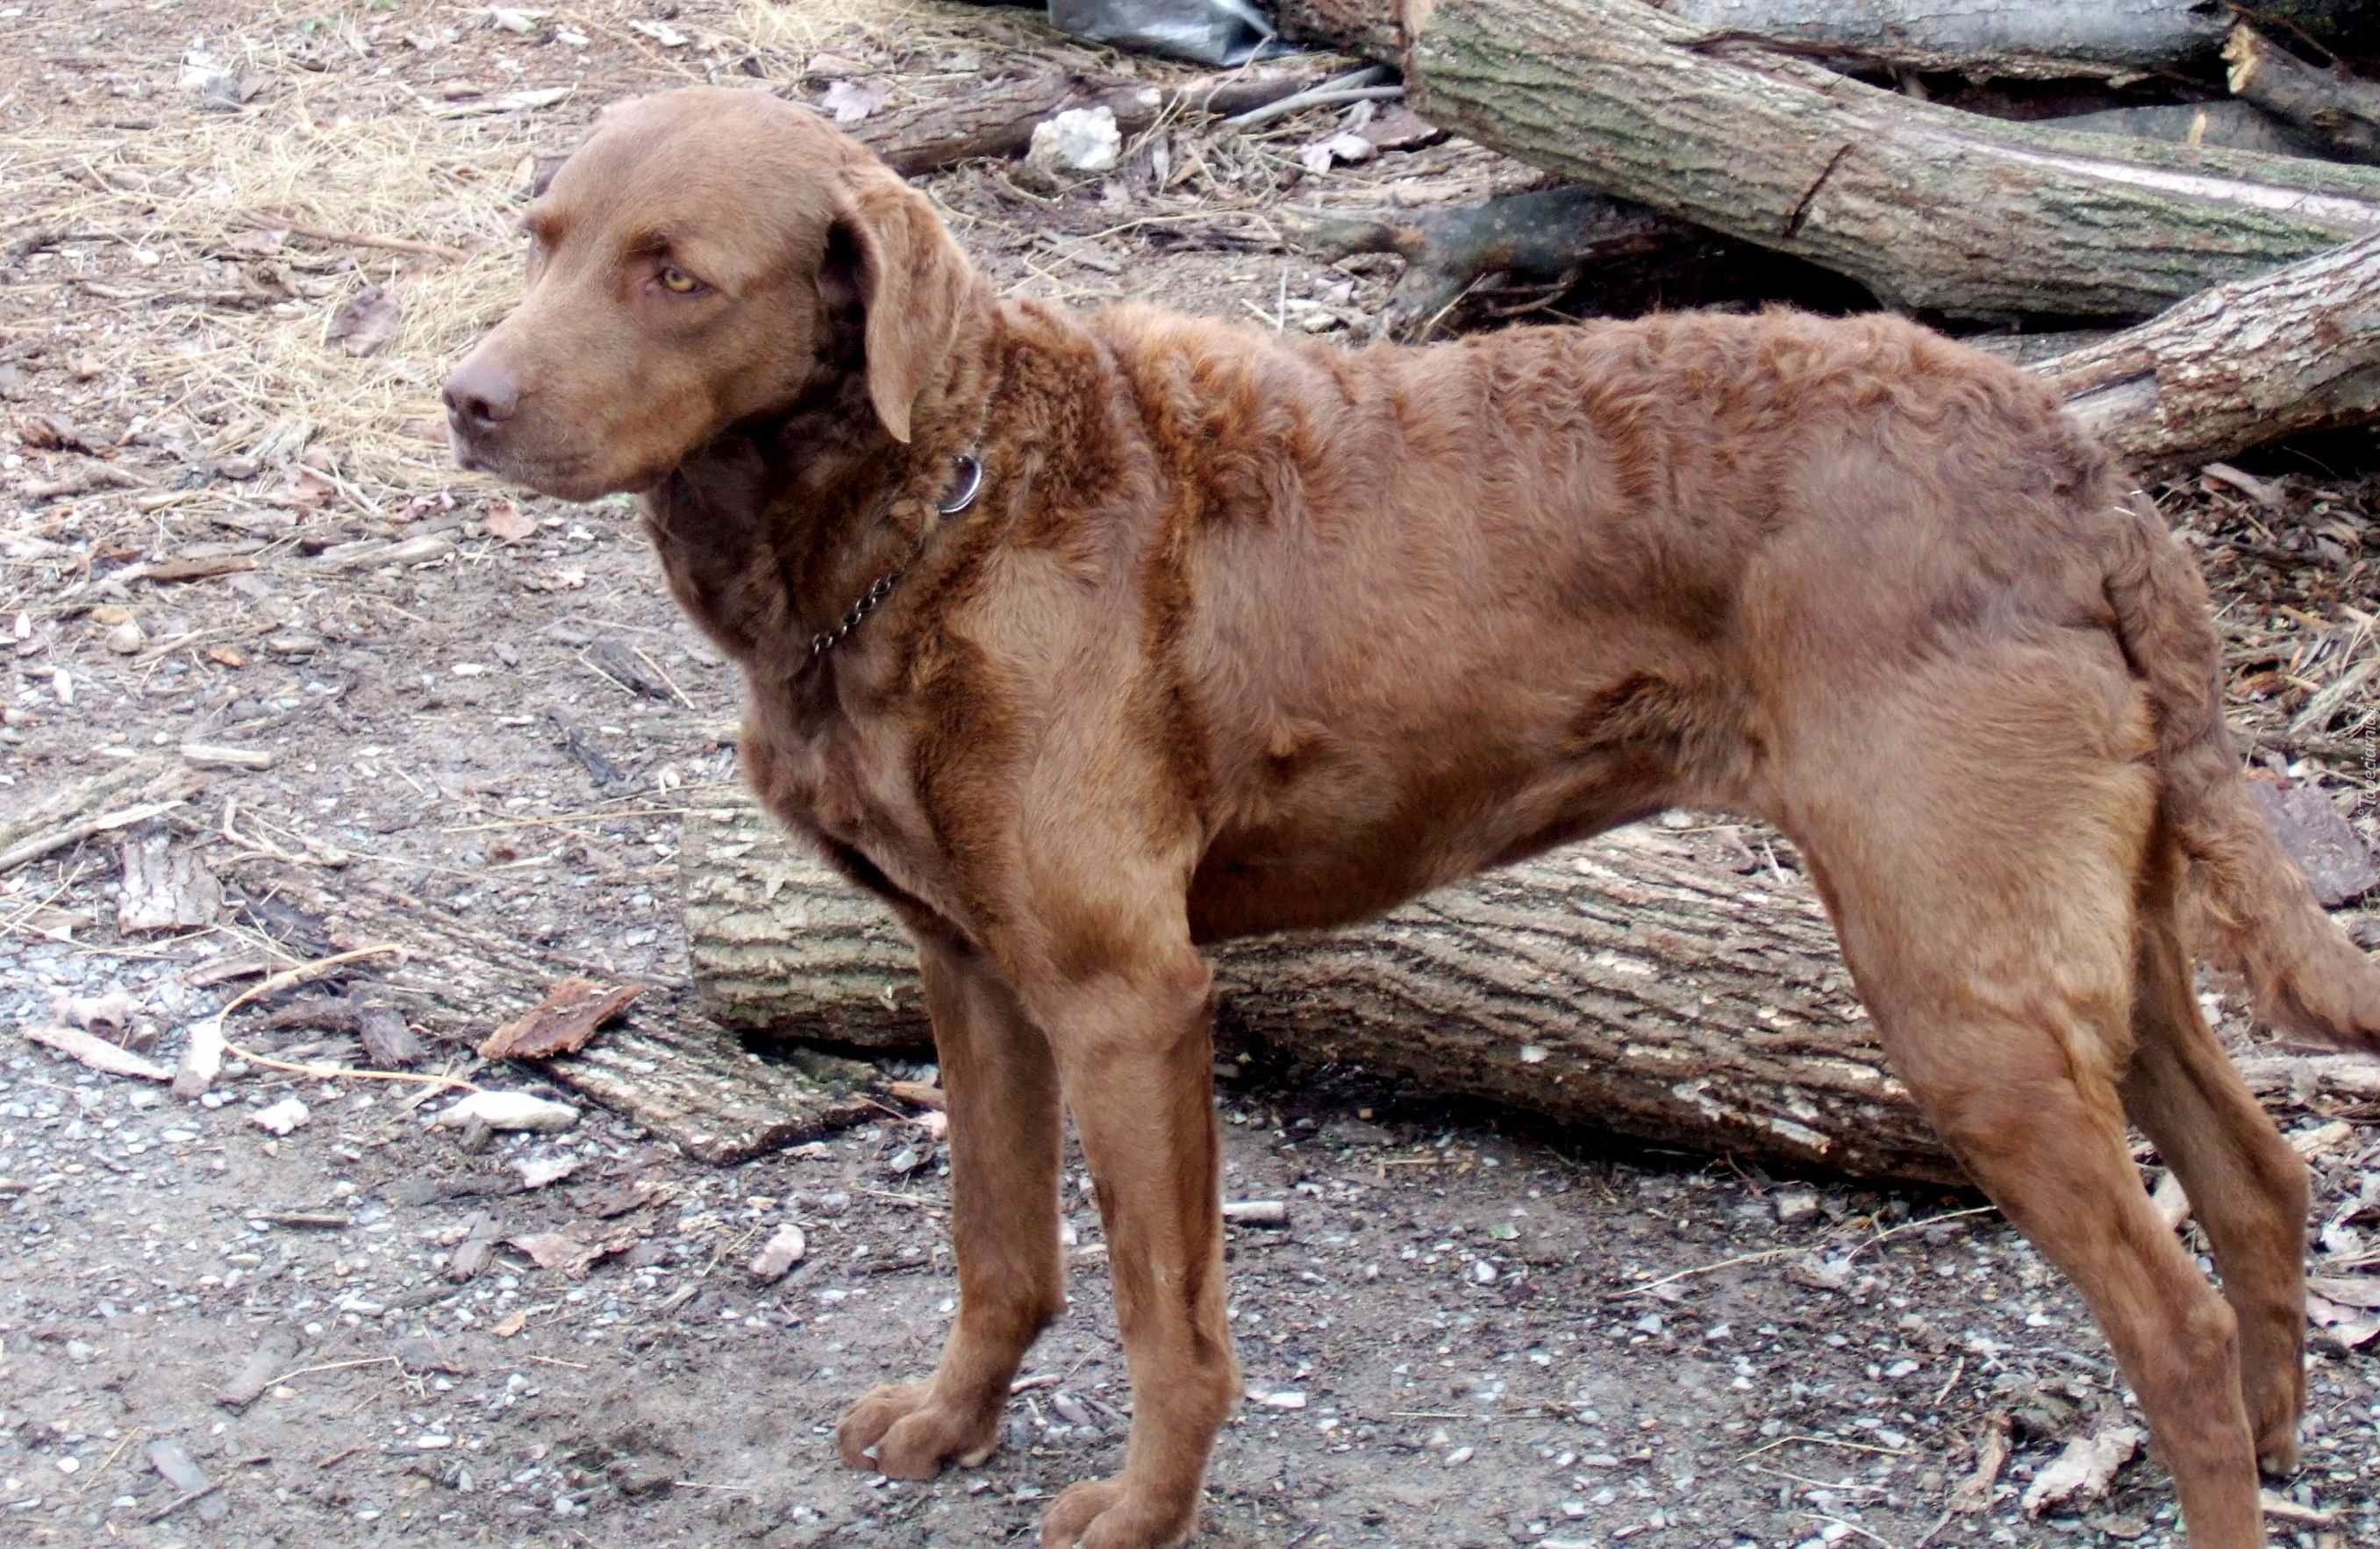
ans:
(911, 280)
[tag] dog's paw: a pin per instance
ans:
(904, 1432)
(1108, 1514)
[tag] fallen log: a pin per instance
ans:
(2027, 38)
(2233, 125)
(1616, 257)
(2341, 112)
(1629, 984)
(1930, 208)
(2236, 367)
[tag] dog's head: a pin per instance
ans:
(707, 258)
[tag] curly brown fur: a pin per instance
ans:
(1248, 634)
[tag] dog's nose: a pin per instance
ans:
(481, 396)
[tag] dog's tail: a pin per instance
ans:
(2252, 904)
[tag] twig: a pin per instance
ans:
(1921, 1221)
(358, 239)
(667, 681)
(1761, 1257)
(179, 1502)
(332, 1366)
(1359, 86)
(305, 973)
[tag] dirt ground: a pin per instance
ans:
(226, 518)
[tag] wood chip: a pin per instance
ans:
(216, 756)
(1257, 1213)
(1973, 1493)
(98, 1053)
(560, 1024)
(201, 568)
(575, 1248)
(164, 887)
(268, 1360)
(2081, 1473)
(472, 1254)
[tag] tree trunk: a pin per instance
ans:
(2343, 113)
(2284, 353)
(2041, 39)
(1621, 983)
(1928, 207)
(1628, 984)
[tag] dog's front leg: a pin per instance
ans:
(1001, 1090)
(1134, 1053)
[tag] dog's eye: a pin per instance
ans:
(678, 281)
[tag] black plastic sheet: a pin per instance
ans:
(1225, 32)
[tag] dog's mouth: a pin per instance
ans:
(570, 477)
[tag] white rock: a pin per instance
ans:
(508, 1110)
(281, 1117)
(1079, 139)
(1283, 1400)
(781, 1253)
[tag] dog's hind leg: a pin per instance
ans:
(1000, 1089)
(1977, 832)
(2245, 1183)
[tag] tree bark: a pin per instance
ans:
(1626, 984)
(2237, 367)
(2342, 112)
(1928, 207)
(2037, 38)
(1624, 258)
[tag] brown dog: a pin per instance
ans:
(1083, 641)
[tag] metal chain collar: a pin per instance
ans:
(970, 484)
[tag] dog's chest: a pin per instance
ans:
(848, 783)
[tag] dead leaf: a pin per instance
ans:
(512, 1323)
(618, 1199)
(2081, 1473)
(575, 1248)
(2356, 1291)
(227, 656)
(51, 432)
(368, 322)
(563, 1020)
(507, 523)
(850, 101)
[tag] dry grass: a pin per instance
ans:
(369, 157)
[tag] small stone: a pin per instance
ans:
(1079, 139)
(1796, 1205)
(281, 1117)
(781, 1253)
(1284, 1399)
(1483, 1272)
(1460, 1455)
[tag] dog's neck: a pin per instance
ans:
(771, 533)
